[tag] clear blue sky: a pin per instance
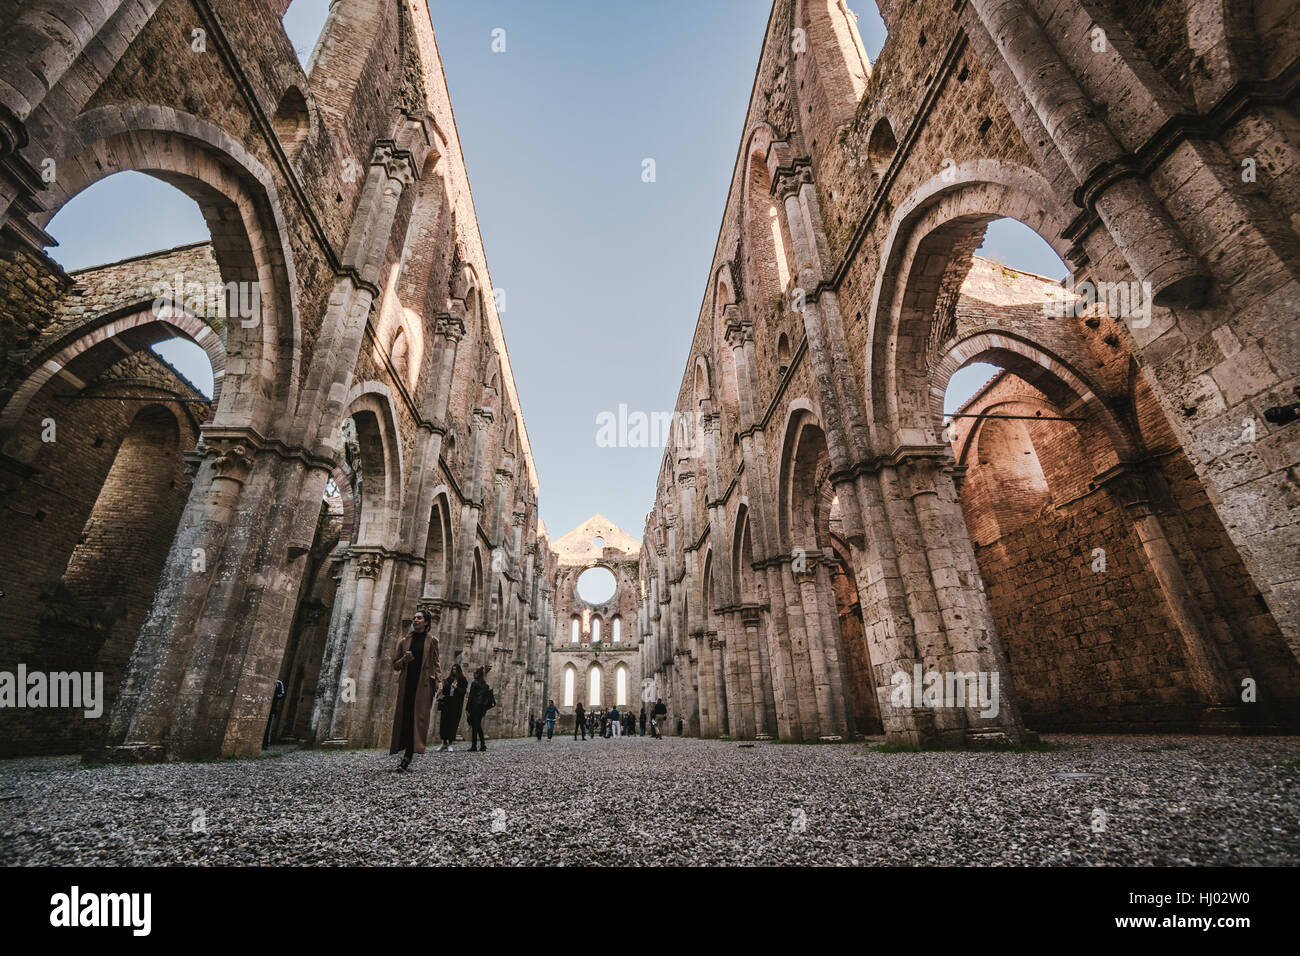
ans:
(603, 273)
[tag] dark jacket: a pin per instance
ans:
(476, 703)
(580, 715)
(453, 702)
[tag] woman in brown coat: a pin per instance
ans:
(417, 680)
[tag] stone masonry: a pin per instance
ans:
(364, 453)
(819, 531)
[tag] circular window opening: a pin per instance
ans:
(596, 585)
(598, 541)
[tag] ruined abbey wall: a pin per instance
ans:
(365, 452)
(1148, 144)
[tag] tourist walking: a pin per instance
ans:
(416, 664)
(657, 716)
(552, 714)
(478, 702)
(579, 722)
(643, 720)
(450, 704)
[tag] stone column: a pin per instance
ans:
(1204, 660)
(1122, 198)
(761, 698)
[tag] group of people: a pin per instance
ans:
(603, 723)
(419, 692)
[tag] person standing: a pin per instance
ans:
(479, 701)
(416, 664)
(270, 720)
(450, 704)
(552, 715)
(615, 724)
(643, 720)
(657, 717)
(579, 722)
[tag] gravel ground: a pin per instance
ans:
(1097, 801)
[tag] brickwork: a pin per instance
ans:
(317, 493)
(883, 180)
(597, 542)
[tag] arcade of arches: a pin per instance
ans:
(1108, 530)
(1111, 526)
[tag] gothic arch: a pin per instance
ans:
(249, 239)
(766, 246)
(936, 229)
(371, 408)
(802, 517)
(438, 548)
(1066, 387)
(137, 327)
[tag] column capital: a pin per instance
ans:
(790, 179)
(740, 332)
(449, 326)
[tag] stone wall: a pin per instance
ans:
(1147, 147)
(365, 453)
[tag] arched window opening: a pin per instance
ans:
(291, 121)
(617, 626)
(593, 688)
(595, 630)
(782, 354)
(174, 220)
(577, 630)
(365, 461)
(399, 354)
(768, 244)
(437, 551)
(620, 685)
(881, 146)
(570, 680)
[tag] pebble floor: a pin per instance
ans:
(1097, 800)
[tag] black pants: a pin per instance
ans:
(476, 732)
(579, 725)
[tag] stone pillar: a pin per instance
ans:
(709, 714)
(1122, 198)
(761, 698)
(1204, 660)
(723, 684)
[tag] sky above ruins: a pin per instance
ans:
(603, 272)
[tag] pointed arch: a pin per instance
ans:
(238, 198)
